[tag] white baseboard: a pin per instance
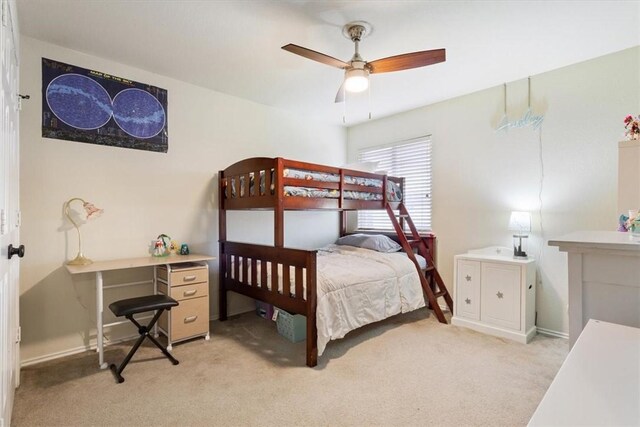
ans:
(552, 333)
(70, 352)
(93, 346)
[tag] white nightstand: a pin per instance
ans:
(495, 293)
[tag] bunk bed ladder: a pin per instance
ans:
(433, 293)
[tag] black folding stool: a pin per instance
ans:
(129, 307)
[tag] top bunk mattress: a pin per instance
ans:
(394, 192)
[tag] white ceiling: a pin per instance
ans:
(234, 46)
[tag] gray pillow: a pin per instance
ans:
(375, 242)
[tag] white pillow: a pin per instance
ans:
(375, 242)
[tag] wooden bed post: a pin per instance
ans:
(278, 210)
(343, 214)
(222, 258)
(312, 331)
(343, 223)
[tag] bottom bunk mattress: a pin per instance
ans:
(358, 286)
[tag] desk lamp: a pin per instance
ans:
(520, 222)
(92, 212)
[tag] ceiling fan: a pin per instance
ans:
(357, 70)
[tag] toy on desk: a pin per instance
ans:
(161, 246)
(184, 249)
(622, 223)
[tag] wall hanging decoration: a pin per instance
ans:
(528, 119)
(90, 106)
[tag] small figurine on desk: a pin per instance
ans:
(161, 246)
(184, 249)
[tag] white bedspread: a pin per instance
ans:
(358, 286)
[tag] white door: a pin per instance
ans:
(9, 212)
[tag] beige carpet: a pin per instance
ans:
(407, 370)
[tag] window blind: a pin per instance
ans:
(412, 161)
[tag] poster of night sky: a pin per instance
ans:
(90, 106)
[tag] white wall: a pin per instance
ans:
(480, 175)
(144, 194)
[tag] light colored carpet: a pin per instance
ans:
(407, 370)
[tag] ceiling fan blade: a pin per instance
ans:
(316, 56)
(407, 61)
(340, 94)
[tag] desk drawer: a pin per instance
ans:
(185, 276)
(190, 318)
(186, 292)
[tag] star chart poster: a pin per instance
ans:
(94, 107)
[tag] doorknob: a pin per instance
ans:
(16, 251)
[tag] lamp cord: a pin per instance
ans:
(540, 193)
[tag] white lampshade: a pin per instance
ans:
(356, 80)
(520, 221)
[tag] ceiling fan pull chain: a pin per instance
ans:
(369, 96)
(344, 105)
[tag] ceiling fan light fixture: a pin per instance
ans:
(356, 80)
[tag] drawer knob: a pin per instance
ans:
(468, 301)
(468, 278)
(190, 292)
(189, 278)
(190, 319)
(500, 295)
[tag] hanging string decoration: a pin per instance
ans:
(528, 119)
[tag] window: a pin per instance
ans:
(412, 161)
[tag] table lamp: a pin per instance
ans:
(92, 212)
(520, 222)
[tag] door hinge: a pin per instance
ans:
(18, 219)
(20, 98)
(19, 335)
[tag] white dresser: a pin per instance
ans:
(604, 278)
(495, 293)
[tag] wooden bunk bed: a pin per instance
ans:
(279, 184)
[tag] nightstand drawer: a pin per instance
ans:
(185, 292)
(190, 318)
(185, 276)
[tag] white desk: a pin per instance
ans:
(598, 383)
(122, 264)
(604, 278)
